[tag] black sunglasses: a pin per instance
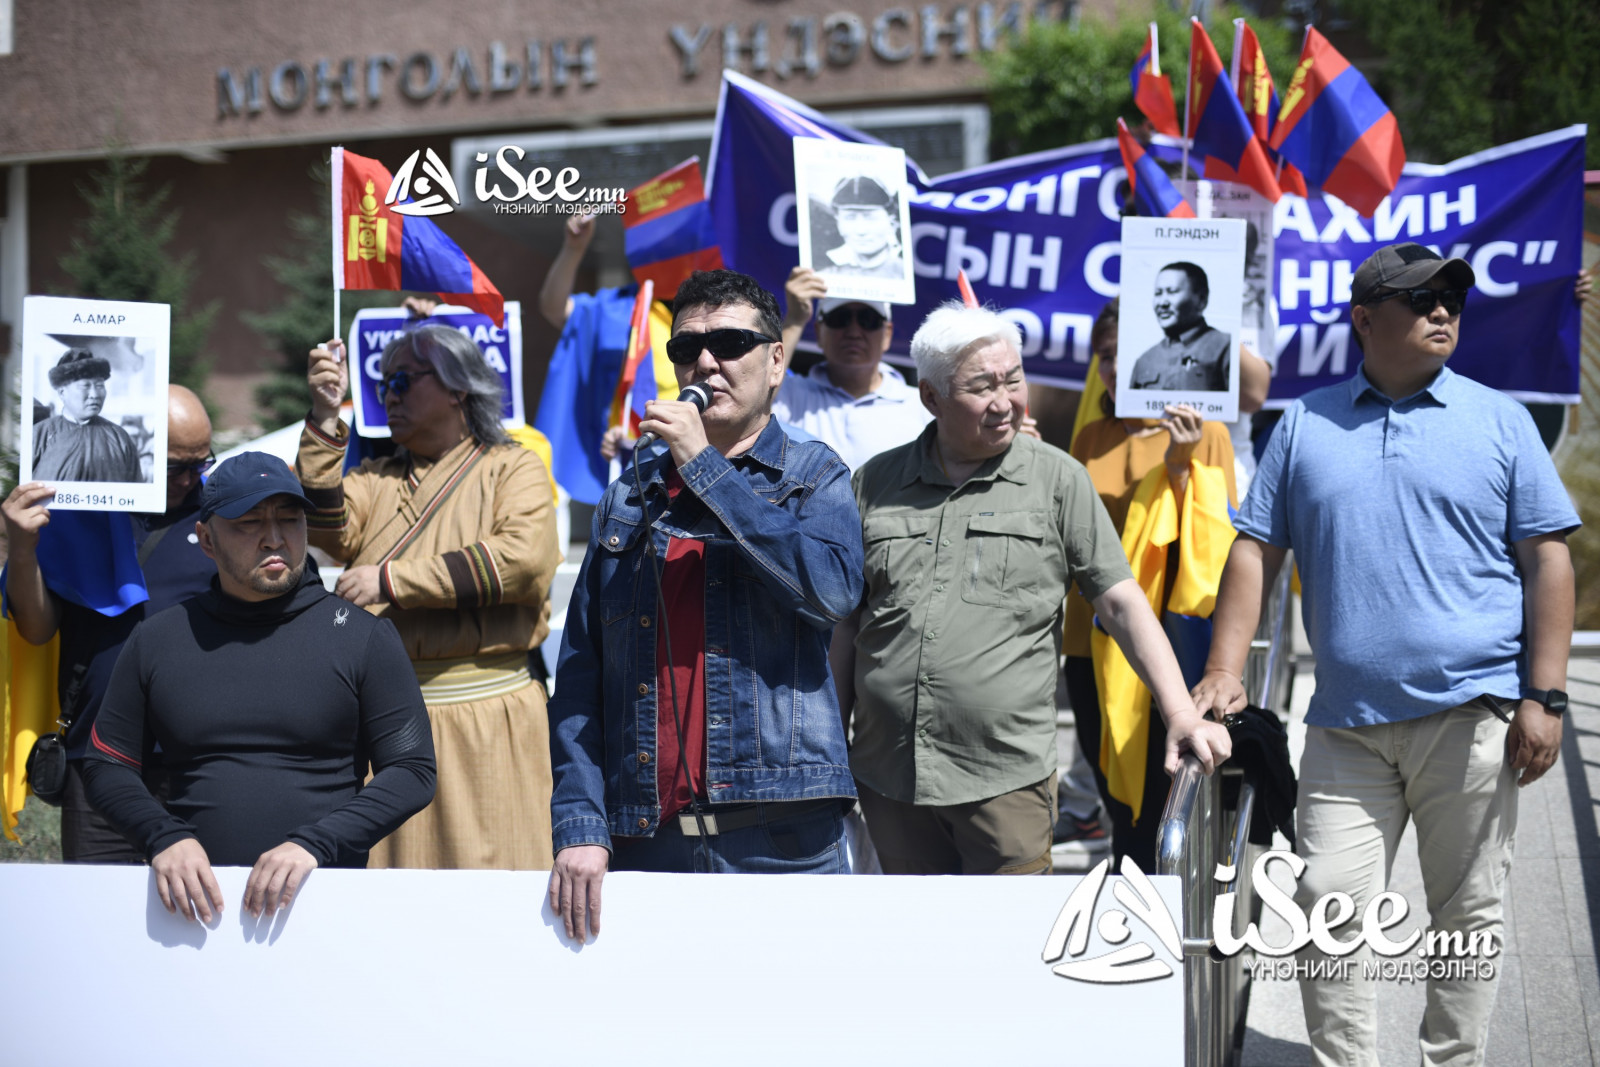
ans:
(196, 467)
(400, 382)
(865, 317)
(1423, 301)
(722, 344)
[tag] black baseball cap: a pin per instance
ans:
(1406, 266)
(240, 483)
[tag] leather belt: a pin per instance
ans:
(725, 819)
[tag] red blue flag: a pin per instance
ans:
(376, 247)
(1152, 90)
(1154, 191)
(667, 229)
(1259, 97)
(1218, 126)
(637, 384)
(1336, 129)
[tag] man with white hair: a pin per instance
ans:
(973, 535)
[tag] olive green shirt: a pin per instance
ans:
(956, 657)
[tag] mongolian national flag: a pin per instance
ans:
(1336, 130)
(1154, 191)
(375, 247)
(1221, 132)
(666, 225)
(1253, 81)
(1152, 90)
(637, 384)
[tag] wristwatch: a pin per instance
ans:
(1554, 700)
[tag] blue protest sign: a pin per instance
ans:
(1514, 212)
(1039, 236)
(376, 327)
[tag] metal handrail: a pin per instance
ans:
(1195, 830)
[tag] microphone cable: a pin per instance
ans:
(672, 677)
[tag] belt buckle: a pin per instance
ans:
(689, 827)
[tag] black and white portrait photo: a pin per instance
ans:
(854, 217)
(95, 385)
(1182, 299)
(1192, 354)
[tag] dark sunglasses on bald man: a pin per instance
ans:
(685, 348)
(177, 469)
(1423, 301)
(863, 316)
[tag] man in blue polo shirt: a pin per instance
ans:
(1430, 530)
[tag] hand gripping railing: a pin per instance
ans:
(1207, 823)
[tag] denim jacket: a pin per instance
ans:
(783, 565)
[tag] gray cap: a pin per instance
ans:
(1406, 266)
(828, 303)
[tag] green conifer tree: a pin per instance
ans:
(120, 252)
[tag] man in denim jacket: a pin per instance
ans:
(695, 725)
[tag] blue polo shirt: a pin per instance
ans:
(1402, 515)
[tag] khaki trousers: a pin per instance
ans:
(1007, 834)
(1448, 772)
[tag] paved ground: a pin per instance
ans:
(1548, 1011)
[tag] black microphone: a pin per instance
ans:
(698, 394)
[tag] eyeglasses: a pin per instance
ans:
(1423, 301)
(195, 467)
(865, 317)
(722, 344)
(400, 382)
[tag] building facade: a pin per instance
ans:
(236, 104)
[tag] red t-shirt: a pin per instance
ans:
(683, 590)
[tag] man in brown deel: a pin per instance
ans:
(454, 540)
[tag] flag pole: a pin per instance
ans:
(1233, 64)
(1188, 100)
(336, 183)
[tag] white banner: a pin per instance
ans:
(470, 967)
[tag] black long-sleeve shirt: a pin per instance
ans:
(267, 714)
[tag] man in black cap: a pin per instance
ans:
(270, 697)
(78, 445)
(866, 216)
(1429, 527)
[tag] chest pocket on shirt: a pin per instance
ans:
(891, 543)
(1005, 558)
(619, 575)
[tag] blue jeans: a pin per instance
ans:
(812, 843)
